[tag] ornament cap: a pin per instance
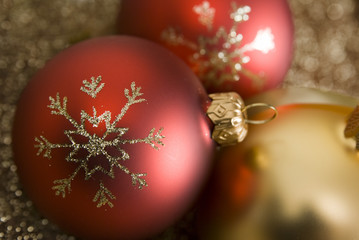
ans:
(229, 115)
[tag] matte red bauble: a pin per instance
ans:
(111, 138)
(232, 45)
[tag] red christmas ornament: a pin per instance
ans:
(111, 138)
(232, 45)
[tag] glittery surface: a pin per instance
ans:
(326, 45)
(96, 145)
(32, 31)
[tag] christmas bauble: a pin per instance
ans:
(294, 178)
(111, 138)
(232, 45)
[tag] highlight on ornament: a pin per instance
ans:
(229, 114)
(231, 45)
(215, 54)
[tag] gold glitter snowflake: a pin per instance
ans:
(221, 58)
(97, 145)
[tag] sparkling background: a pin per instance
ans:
(32, 31)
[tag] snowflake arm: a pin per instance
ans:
(125, 156)
(59, 108)
(61, 185)
(205, 14)
(131, 99)
(136, 179)
(239, 14)
(152, 139)
(103, 197)
(176, 39)
(92, 88)
(45, 146)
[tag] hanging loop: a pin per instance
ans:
(264, 121)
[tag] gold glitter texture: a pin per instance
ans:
(221, 57)
(96, 145)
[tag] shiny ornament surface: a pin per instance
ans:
(293, 178)
(232, 45)
(295, 95)
(111, 139)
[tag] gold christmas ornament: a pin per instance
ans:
(304, 177)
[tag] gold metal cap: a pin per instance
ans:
(229, 115)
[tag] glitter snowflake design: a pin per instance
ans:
(220, 58)
(97, 145)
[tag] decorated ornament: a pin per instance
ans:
(295, 178)
(112, 140)
(232, 45)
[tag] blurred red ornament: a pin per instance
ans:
(231, 188)
(111, 138)
(232, 45)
